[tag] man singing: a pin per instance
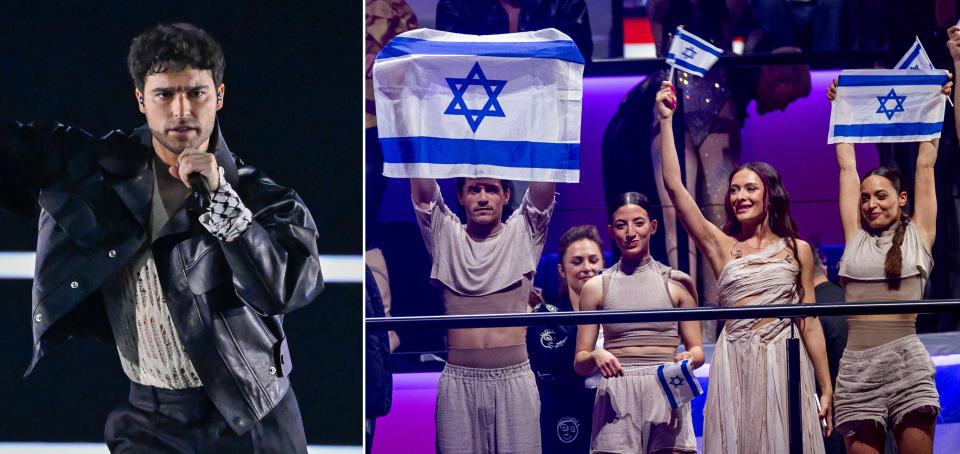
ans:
(193, 298)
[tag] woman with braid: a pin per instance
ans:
(758, 261)
(886, 375)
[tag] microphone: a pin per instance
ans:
(199, 201)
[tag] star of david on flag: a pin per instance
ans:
(500, 106)
(692, 54)
(887, 105)
(681, 387)
(892, 96)
(459, 107)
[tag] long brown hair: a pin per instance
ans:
(777, 203)
(893, 262)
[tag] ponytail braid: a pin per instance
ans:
(894, 260)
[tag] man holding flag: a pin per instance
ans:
(482, 109)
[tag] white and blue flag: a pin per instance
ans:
(690, 53)
(915, 58)
(499, 106)
(678, 383)
(887, 105)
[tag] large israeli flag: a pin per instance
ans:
(915, 58)
(690, 53)
(887, 105)
(678, 383)
(500, 106)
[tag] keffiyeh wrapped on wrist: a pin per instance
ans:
(227, 218)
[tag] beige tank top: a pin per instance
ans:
(865, 253)
(863, 260)
(642, 288)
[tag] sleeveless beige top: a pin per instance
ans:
(864, 255)
(643, 287)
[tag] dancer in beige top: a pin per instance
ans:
(487, 398)
(886, 376)
(631, 414)
(759, 261)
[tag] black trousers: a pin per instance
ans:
(157, 420)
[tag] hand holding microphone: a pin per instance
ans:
(198, 171)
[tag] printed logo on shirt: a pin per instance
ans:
(568, 427)
(550, 340)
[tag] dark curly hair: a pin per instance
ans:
(171, 48)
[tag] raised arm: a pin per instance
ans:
(925, 194)
(811, 332)
(422, 191)
(541, 194)
(588, 360)
(37, 156)
(707, 236)
(849, 197)
(684, 294)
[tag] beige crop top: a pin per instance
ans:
(864, 255)
(513, 299)
(642, 288)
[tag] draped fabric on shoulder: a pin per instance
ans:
(746, 408)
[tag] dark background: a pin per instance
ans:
(292, 108)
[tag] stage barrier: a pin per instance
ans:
(687, 314)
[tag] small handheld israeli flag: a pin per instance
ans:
(499, 106)
(915, 58)
(678, 383)
(690, 53)
(887, 105)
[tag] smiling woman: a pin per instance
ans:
(887, 257)
(626, 417)
(758, 260)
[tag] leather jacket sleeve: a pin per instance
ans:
(274, 262)
(35, 156)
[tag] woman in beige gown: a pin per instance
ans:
(758, 260)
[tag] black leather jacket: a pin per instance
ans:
(226, 299)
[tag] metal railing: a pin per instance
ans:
(687, 314)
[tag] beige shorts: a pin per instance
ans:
(488, 410)
(883, 384)
(631, 415)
